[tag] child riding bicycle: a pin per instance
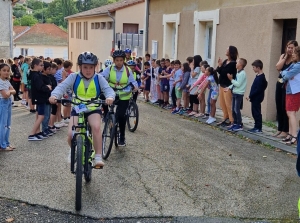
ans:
(87, 85)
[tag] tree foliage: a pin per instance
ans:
(55, 11)
(26, 20)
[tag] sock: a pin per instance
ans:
(98, 155)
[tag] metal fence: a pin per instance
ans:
(128, 39)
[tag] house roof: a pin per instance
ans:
(18, 30)
(106, 8)
(43, 34)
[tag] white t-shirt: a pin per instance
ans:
(192, 80)
(4, 85)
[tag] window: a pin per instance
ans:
(130, 28)
(24, 51)
(85, 30)
(92, 25)
(170, 35)
(78, 30)
(109, 25)
(72, 30)
(208, 42)
(48, 52)
(97, 25)
(103, 25)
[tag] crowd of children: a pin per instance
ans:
(34, 78)
(193, 87)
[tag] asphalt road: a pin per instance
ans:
(171, 167)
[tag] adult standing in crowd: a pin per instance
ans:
(284, 62)
(16, 78)
(225, 67)
(291, 77)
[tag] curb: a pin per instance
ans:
(258, 138)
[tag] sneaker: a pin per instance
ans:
(175, 111)
(231, 127)
(43, 135)
(32, 111)
(255, 130)
(14, 105)
(98, 162)
(211, 120)
(122, 142)
(54, 128)
(49, 132)
(67, 120)
(34, 138)
(237, 128)
(181, 112)
(61, 124)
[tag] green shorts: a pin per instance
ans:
(178, 93)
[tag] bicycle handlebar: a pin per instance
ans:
(66, 101)
(120, 89)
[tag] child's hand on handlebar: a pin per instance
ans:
(52, 100)
(109, 101)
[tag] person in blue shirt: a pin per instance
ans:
(119, 75)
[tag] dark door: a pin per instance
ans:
(130, 28)
(289, 32)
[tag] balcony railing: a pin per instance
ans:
(128, 39)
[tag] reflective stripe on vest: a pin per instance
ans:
(92, 92)
(122, 83)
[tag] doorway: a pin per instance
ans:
(289, 32)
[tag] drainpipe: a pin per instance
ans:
(10, 30)
(114, 29)
(146, 26)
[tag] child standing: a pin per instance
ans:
(51, 125)
(178, 79)
(156, 82)
(147, 80)
(6, 90)
(198, 85)
(257, 94)
(212, 82)
(40, 93)
(25, 70)
(67, 64)
(184, 86)
(238, 89)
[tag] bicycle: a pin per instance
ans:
(82, 152)
(111, 129)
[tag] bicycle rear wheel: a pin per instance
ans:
(108, 135)
(117, 135)
(79, 173)
(132, 117)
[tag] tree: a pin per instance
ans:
(36, 4)
(19, 11)
(39, 14)
(26, 20)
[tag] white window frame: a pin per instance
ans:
(48, 52)
(202, 20)
(175, 19)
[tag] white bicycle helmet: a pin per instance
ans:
(107, 62)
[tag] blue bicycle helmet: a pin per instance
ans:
(87, 58)
(127, 50)
(131, 63)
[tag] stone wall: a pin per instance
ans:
(6, 33)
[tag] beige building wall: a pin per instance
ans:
(257, 35)
(99, 41)
(134, 14)
(256, 30)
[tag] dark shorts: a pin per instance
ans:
(147, 86)
(40, 109)
(194, 99)
(25, 88)
(73, 113)
(165, 87)
(53, 109)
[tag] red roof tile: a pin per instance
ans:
(19, 30)
(104, 9)
(44, 34)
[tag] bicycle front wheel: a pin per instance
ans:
(79, 173)
(132, 117)
(108, 135)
